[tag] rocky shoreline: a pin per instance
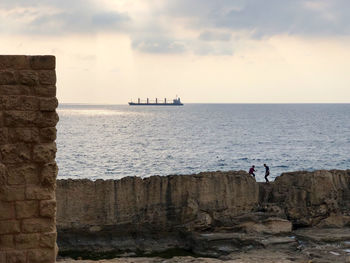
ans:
(226, 215)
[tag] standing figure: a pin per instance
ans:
(267, 172)
(252, 170)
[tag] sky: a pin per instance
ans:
(205, 51)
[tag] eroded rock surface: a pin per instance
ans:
(210, 214)
(303, 245)
(311, 198)
(193, 201)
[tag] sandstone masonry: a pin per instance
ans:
(27, 159)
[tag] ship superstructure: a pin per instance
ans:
(156, 102)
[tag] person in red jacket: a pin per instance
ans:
(252, 170)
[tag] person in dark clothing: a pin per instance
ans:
(252, 170)
(267, 172)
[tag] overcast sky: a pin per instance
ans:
(224, 51)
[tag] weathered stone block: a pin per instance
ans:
(2, 119)
(47, 119)
(28, 135)
(14, 62)
(12, 193)
(36, 225)
(27, 173)
(15, 153)
(6, 242)
(15, 179)
(17, 102)
(9, 227)
(48, 134)
(31, 174)
(26, 241)
(48, 175)
(28, 77)
(7, 210)
(42, 62)
(27, 209)
(48, 208)
(41, 256)
(48, 104)
(3, 175)
(20, 118)
(16, 257)
(3, 102)
(3, 135)
(44, 153)
(15, 90)
(47, 77)
(39, 193)
(45, 91)
(48, 240)
(7, 77)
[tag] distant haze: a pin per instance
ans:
(226, 51)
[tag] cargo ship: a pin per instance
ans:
(156, 102)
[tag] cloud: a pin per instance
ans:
(212, 50)
(159, 45)
(214, 36)
(38, 17)
(221, 24)
(163, 26)
(70, 22)
(265, 18)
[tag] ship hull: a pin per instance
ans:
(154, 104)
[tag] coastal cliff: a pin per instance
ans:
(158, 202)
(320, 198)
(202, 213)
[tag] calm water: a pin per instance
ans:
(117, 141)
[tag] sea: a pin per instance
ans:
(115, 141)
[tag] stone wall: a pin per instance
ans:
(27, 159)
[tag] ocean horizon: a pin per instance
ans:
(114, 141)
